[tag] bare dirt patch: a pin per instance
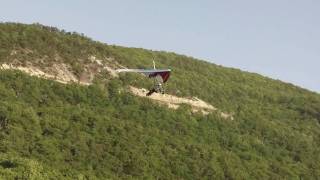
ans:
(174, 102)
(58, 72)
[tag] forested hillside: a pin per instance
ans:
(50, 130)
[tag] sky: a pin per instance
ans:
(276, 38)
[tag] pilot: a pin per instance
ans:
(157, 86)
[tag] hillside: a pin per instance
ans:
(77, 119)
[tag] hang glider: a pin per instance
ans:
(160, 77)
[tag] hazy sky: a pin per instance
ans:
(276, 38)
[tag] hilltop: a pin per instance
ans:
(76, 118)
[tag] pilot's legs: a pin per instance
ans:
(151, 91)
(157, 88)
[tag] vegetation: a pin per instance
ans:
(50, 130)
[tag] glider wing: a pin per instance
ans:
(164, 73)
